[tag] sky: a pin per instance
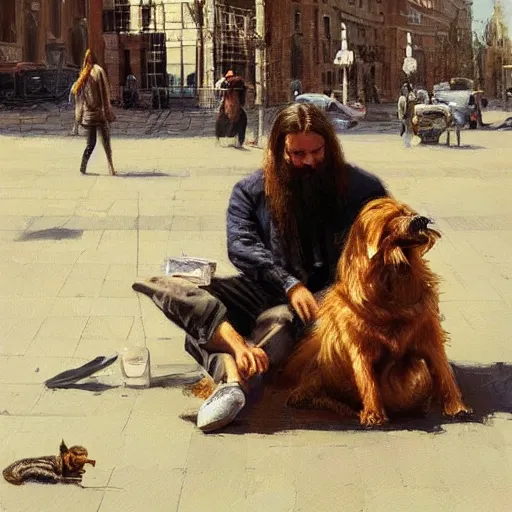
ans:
(482, 11)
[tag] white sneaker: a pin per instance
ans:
(221, 407)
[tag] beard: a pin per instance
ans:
(313, 203)
(314, 196)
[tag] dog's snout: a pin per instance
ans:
(419, 223)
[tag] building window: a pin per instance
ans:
(118, 18)
(8, 21)
(326, 43)
(414, 16)
(327, 27)
(145, 16)
(296, 57)
(296, 21)
(56, 17)
(316, 53)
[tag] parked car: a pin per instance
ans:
(342, 117)
(476, 100)
(463, 105)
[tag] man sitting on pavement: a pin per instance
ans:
(286, 226)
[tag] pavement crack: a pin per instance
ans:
(108, 482)
(137, 224)
(101, 238)
(127, 420)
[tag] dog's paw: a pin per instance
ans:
(372, 418)
(458, 411)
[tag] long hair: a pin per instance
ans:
(295, 119)
(89, 61)
(232, 97)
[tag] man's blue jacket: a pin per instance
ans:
(254, 245)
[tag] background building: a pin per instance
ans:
(185, 46)
(156, 41)
(52, 32)
(303, 38)
(441, 37)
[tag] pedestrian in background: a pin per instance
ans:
(93, 109)
(406, 103)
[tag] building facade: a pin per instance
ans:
(189, 44)
(304, 36)
(51, 32)
(441, 40)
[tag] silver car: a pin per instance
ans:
(339, 115)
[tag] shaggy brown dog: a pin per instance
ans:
(378, 342)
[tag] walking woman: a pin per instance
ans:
(93, 110)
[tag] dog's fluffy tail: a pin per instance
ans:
(406, 385)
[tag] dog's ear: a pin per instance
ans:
(63, 447)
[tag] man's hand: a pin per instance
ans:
(303, 302)
(250, 361)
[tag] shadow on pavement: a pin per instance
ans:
(95, 387)
(151, 174)
(50, 234)
(466, 146)
(486, 389)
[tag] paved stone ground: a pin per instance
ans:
(50, 119)
(70, 248)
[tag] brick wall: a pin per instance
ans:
(95, 29)
(315, 27)
(286, 32)
(112, 65)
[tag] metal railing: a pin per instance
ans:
(184, 97)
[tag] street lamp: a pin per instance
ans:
(410, 65)
(345, 59)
